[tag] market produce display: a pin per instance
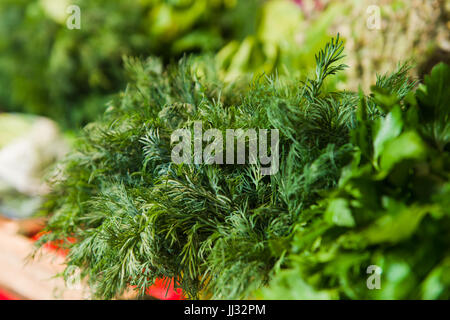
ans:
(226, 149)
(362, 181)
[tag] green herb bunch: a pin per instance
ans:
(220, 231)
(390, 210)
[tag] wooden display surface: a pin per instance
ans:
(27, 278)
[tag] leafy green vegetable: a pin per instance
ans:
(390, 208)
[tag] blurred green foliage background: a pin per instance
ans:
(49, 69)
(69, 75)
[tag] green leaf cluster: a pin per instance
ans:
(390, 208)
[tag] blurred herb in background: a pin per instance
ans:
(69, 75)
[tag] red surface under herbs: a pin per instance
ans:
(5, 295)
(158, 290)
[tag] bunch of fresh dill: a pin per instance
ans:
(215, 229)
